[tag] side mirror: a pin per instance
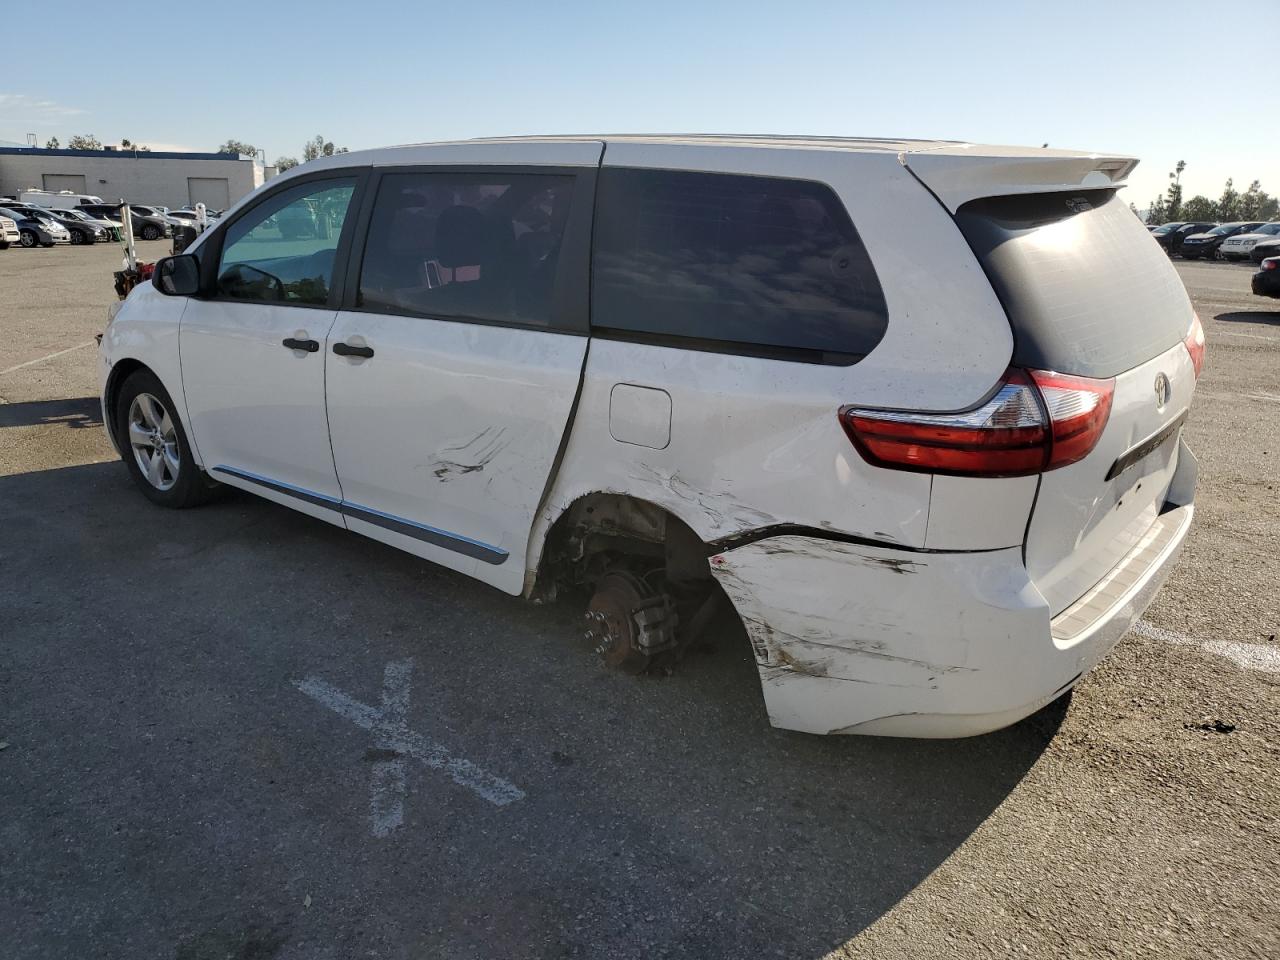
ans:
(177, 276)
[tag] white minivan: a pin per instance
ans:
(913, 408)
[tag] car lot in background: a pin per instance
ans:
(69, 216)
(1266, 282)
(1239, 247)
(145, 225)
(9, 234)
(1196, 246)
(80, 231)
(38, 229)
(171, 790)
(1173, 238)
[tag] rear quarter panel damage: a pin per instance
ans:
(931, 633)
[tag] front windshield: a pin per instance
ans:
(1270, 229)
(1224, 229)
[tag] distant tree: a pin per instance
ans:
(1254, 201)
(52, 144)
(238, 146)
(320, 147)
(286, 163)
(84, 141)
(1269, 208)
(1173, 199)
(1133, 208)
(1199, 207)
(1229, 203)
(1156, 212)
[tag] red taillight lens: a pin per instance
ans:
(1078, 411)
(1195, 344)
(1036, 421)
(1271, 263)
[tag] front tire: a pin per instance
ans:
(154, 444)
(78, 237)
(150, 232)
(29, 239)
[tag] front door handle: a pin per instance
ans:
(346, 350)
(294, 344)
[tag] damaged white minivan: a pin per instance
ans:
(914, 408)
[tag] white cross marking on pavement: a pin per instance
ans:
(393, 740)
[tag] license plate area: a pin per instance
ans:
(1140, 451)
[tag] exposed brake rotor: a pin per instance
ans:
(630, 622)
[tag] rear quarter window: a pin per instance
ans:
(1086, 289)
(731, 263)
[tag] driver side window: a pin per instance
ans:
(283, 251)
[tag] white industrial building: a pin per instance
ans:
(168, 179)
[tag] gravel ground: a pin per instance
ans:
(181, 776)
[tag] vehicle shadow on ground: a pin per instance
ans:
(1251, 316)
(76, 413)
(154, 654)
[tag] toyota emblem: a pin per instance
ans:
(1163, 390)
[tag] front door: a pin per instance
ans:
(452, 377)
(253, 351)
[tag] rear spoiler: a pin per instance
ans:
(959, 173)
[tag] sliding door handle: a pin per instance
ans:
(294, 344)
(346, 350)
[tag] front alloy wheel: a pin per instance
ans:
(150, 232)
(154, 442)
(29, 238)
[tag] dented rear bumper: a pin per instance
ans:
(851, 638)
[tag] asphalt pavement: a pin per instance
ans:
(237, 732)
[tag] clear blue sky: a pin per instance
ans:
(1108, 77)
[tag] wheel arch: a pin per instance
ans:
(121, 370)
(600, 520)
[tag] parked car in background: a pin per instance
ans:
(980, 489)
(39, 230)
(1266, 282)
(68, 217)
(60, 200)
(1199, 246)
(1172, 238)
(1264, 249)
(190, 218)
(9, 234)
(145, 226)
(81, 232)
(1239, 246)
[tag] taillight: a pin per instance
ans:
(1195, 344)
(1036, 421)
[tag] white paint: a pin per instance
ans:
(32, 363)
(463, 772)
(1082, 527)
(388, 786)
(1247, 656)
(1235, 333)
(450, 424)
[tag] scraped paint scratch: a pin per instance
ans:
(1247, 656)
(393, 741)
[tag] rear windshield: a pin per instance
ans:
(1086, 290)
(733, 263)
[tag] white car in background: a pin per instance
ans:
(933, 505)
(9, 233)
(1239, 247)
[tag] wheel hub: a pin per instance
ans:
(629, 622)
